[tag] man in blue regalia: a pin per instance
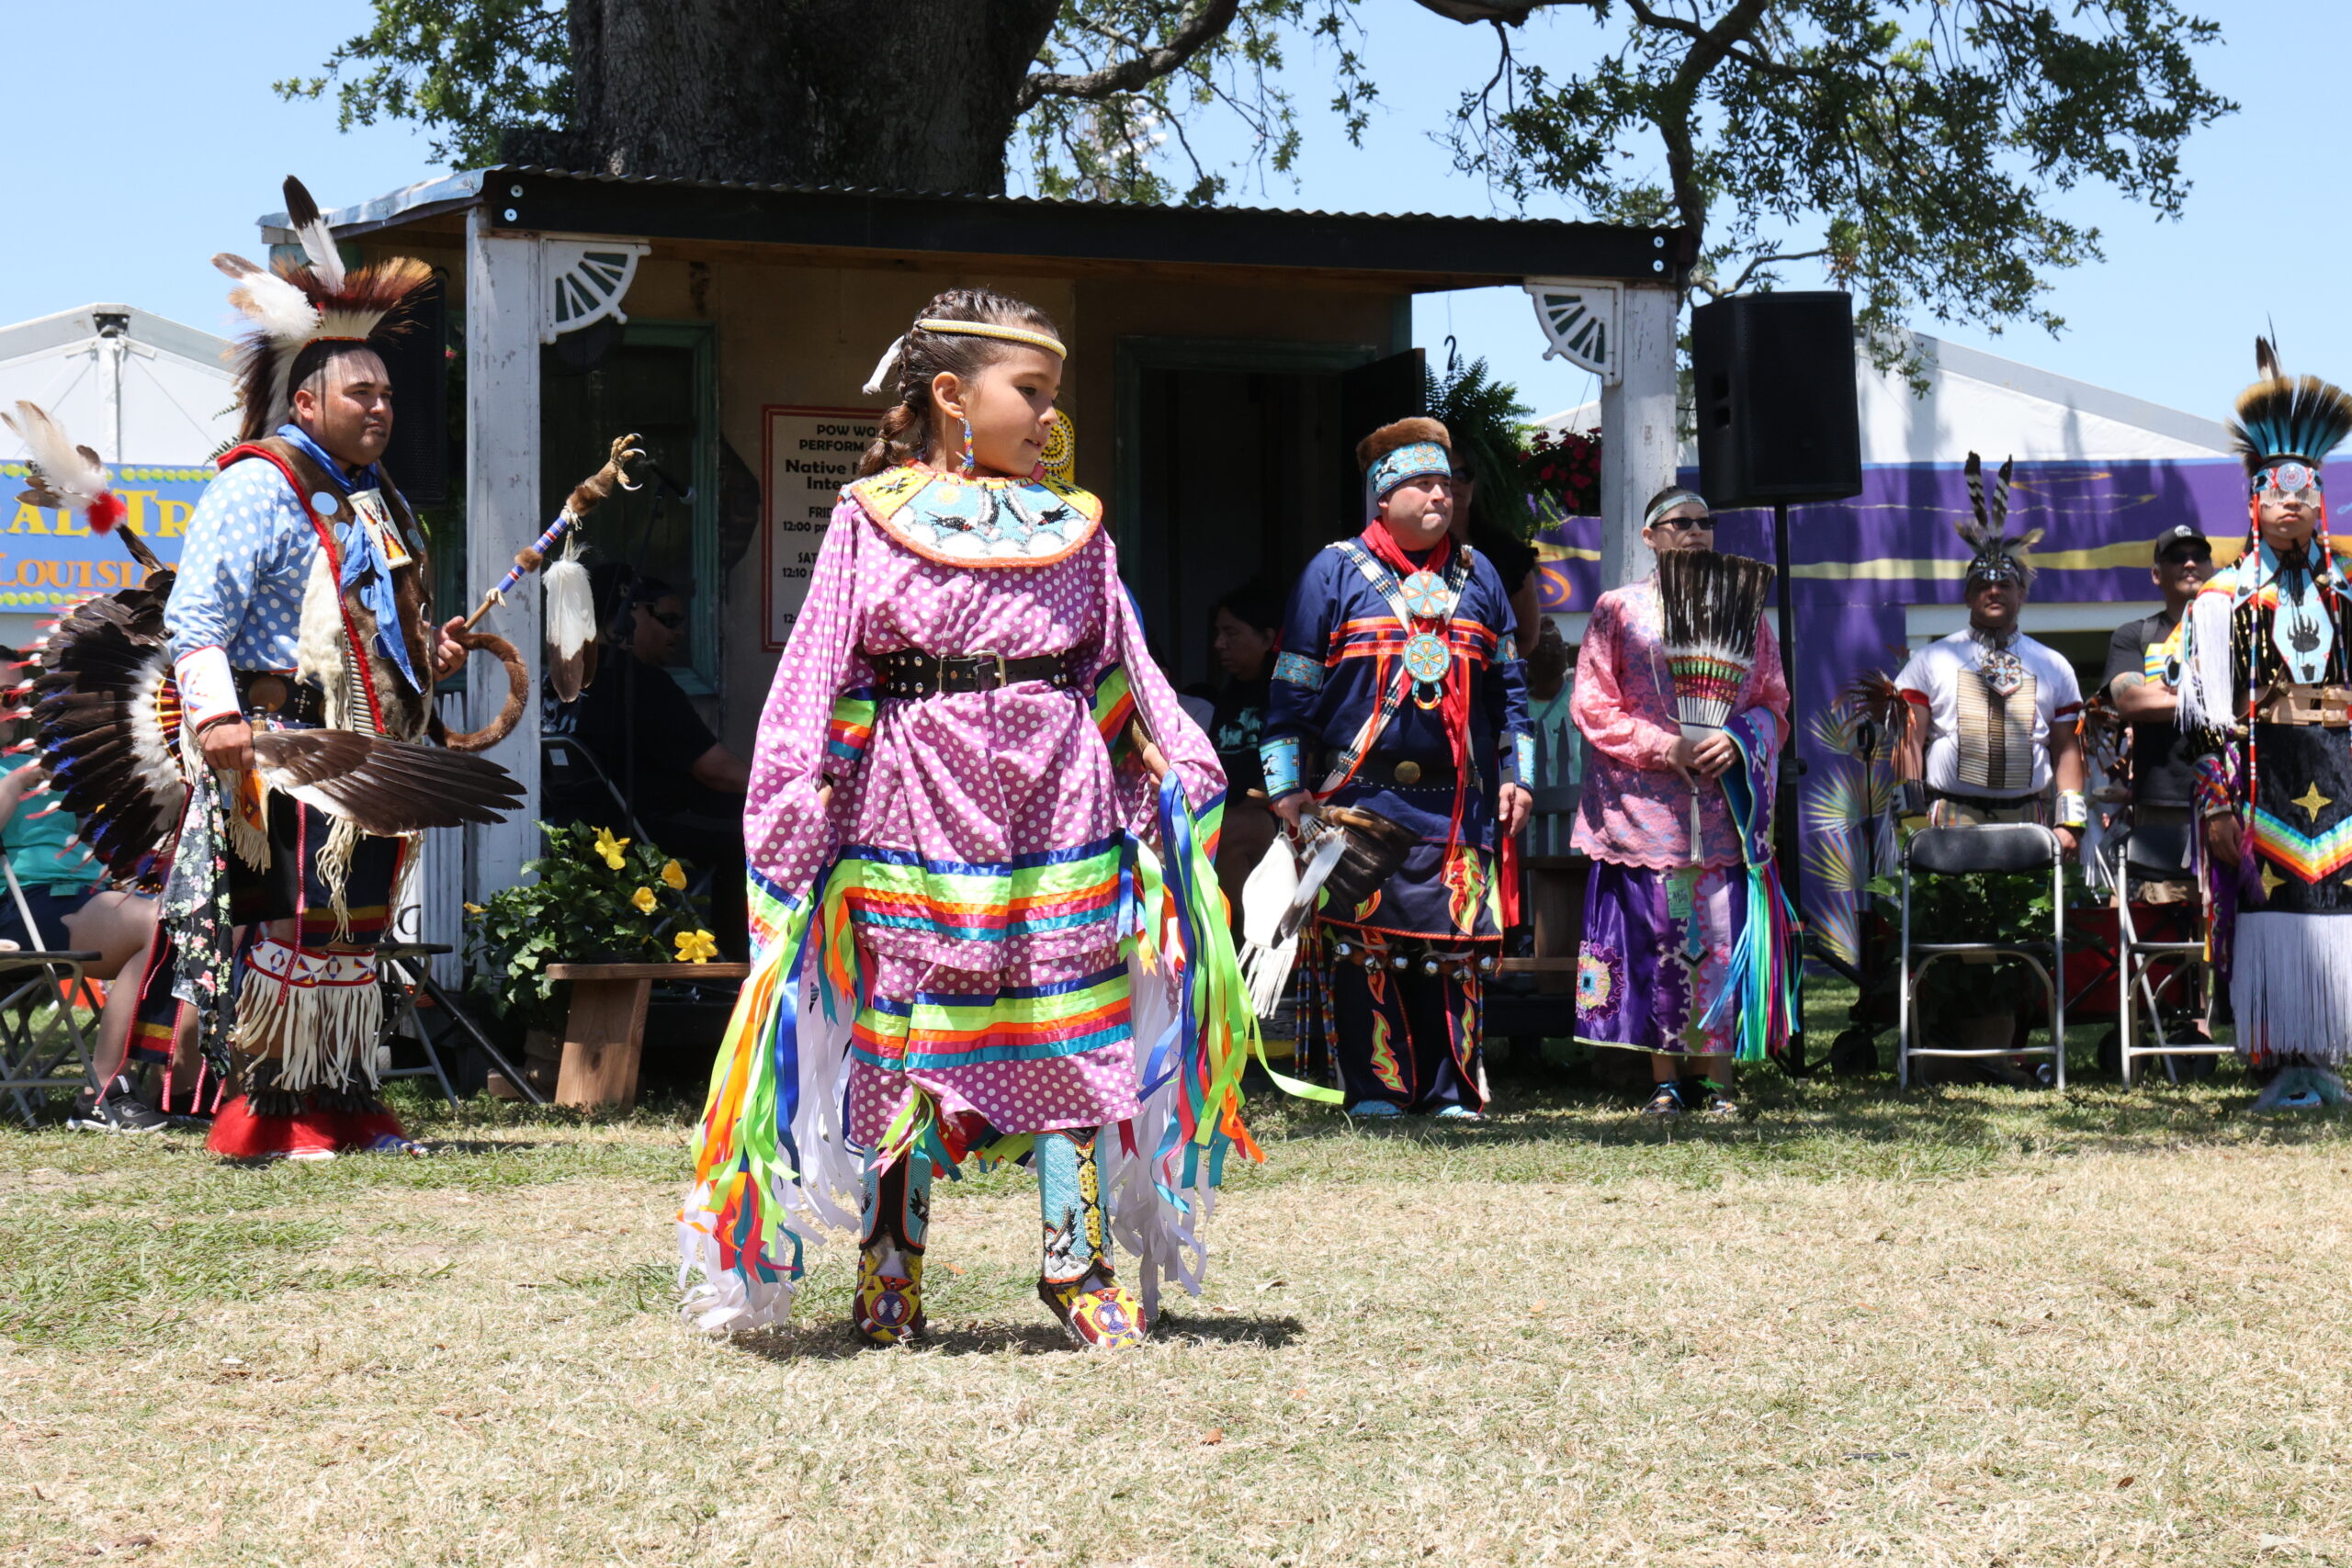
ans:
(1398, 713)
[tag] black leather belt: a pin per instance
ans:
(1406, 772)
(910, 674)
(280, 695)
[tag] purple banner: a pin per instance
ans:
(1894, 544)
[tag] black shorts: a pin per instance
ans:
(49, 910)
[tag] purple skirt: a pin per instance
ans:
(1657, 947)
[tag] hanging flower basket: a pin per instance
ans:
(1562, 472)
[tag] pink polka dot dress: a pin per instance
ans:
(978, 838)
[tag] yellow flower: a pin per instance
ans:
(695, 947)
(643, 899)
(610, 847)
(473, 908)
(675, 876)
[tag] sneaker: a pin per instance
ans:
(394, 1143)
(1458, 1113)
(1667, 1101)
(120, 1111)
(1374, 1108)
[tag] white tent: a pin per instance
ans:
(151, 397)
(133, 387)
(1978, 402)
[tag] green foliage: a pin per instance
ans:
(1114, 148)
(582, 908)
(1911, 146)
(470, 69)
(1489, 424)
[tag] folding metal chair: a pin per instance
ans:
(568, 767)
(2155, 853)
(30, 1065)
(1996, 847)
(403, 971)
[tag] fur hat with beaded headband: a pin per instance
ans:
(1409, 449)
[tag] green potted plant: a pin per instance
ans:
(598, 898)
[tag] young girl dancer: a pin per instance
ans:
(980, 833)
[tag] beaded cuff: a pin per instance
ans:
(1280, 755)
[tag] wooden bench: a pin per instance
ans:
(605, 1035)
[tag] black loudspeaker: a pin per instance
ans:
(1773, 375)
(417, 357)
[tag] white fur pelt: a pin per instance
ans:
(318, 647)
(2208, 697)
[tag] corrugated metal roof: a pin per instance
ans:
(465, 189)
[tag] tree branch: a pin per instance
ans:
(1673, 120)
(1774, 258)
(1202, 26)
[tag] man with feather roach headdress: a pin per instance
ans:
(1398, 706)
(302, 604)
(1994, 710)
(2266, 696)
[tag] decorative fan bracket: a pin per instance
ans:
(1583, 322)
(585, 279)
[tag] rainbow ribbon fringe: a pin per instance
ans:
(1766, 973)
(744, 1157)
(741, 1229)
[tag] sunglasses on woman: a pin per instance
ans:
(1680, 525)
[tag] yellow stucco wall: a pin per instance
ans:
(810, 336)
(790, 333)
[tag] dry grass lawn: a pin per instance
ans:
(1965, 1326)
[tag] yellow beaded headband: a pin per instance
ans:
(879, 382)
(1052, 345)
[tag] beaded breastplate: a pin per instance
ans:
(980, 521)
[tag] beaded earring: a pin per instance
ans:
(969, 467)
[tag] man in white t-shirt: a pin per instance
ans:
(1993, 710)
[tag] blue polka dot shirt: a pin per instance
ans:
(242, 573)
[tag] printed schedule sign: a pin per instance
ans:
(807, 454)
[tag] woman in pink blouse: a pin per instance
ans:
(1663, 914)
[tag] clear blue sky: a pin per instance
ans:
(148, 139)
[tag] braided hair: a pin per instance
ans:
(908, 429)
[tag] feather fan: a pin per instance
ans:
(381, 786)
(1711, 604)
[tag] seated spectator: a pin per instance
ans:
(684, 789)
(60, 903)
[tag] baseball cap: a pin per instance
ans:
(2181, 533)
